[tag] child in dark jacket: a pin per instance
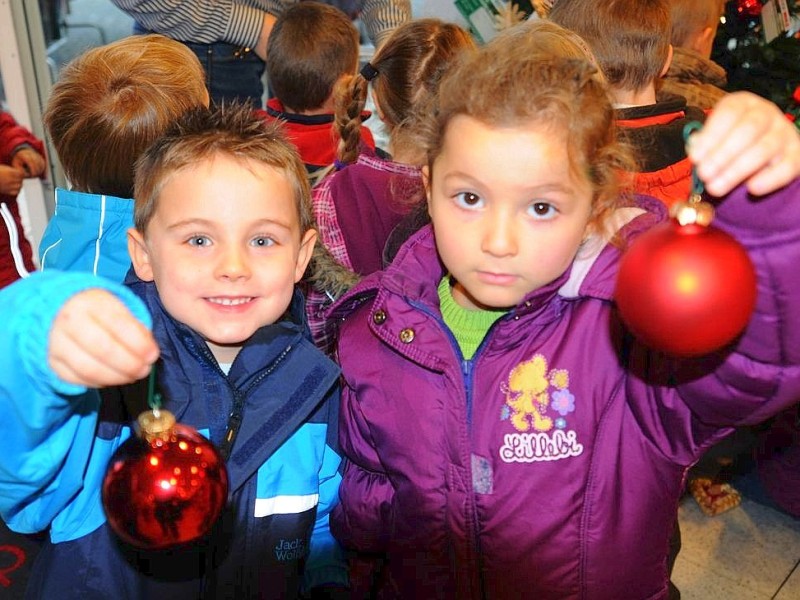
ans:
(312, 46)
(21, 156)
(108, 105)
(631, 41)
(504, 435)
(223, 231)
(692, 74)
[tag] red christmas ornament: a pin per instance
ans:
(686, 288)
(749, 8)
(796, 95)
(164, 486)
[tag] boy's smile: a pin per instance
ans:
(507, 211)
(224, 249)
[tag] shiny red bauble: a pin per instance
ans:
(686, 290)
(165, 486)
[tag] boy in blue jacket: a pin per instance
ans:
(223, 231)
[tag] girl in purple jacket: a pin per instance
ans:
(506, 437)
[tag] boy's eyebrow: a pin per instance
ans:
(211, 223)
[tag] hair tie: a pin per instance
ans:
(369, 72)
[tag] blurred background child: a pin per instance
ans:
(312, 46)
(109, 104)
(21, 156)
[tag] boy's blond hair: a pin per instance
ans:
(629, 38)
(111, 102)
(311, 46)
(200, 134)
(690, 17)
(543, 88)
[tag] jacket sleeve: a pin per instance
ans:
(12, 136)
(48, 425)
(326, 563)
(362, 519)
(759, 375)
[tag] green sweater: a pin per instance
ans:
(469, 327)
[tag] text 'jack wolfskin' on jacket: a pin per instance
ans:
(550, 465)
(282, 469)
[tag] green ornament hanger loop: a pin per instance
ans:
(697, 186)
(153, 397)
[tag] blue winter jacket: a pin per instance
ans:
(551, 463)
(88, 232)
(58, 437)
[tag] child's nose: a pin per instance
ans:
(500, 236)
(233, 264)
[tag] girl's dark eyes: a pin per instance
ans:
(469, 200)
(542, 210)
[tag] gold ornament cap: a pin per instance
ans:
(693, 212)
(155, 424)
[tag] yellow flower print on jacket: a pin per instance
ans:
(528, 393)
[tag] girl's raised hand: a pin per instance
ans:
(95, 341)
(746, 139)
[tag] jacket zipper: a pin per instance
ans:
(467, 375)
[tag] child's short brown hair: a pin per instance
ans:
(310, 47)
(200, 134)
(629, 38)
(689, 17)
(111, 102)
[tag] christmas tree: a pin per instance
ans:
(759, 55)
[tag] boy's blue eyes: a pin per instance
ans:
(199, 240)
(202, 241)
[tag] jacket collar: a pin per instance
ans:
(303, 378)
(417, 269)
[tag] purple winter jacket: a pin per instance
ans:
(551, 464)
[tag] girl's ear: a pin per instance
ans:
(140, 255)
(304, 255)
(426, 183)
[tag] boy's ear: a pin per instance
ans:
(667, 62)
(140, 256)
(703, 42)
(304, 256)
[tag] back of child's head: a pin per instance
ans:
(551, 38)
(202, 134)
(111, 102)
(629, 38)
(690, 17)
(520, 81)
(311, 46)
(404, 73)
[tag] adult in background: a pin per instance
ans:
(230, 36)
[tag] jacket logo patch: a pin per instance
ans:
(537, 404)
(290, 550)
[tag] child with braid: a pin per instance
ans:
(357, 206)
